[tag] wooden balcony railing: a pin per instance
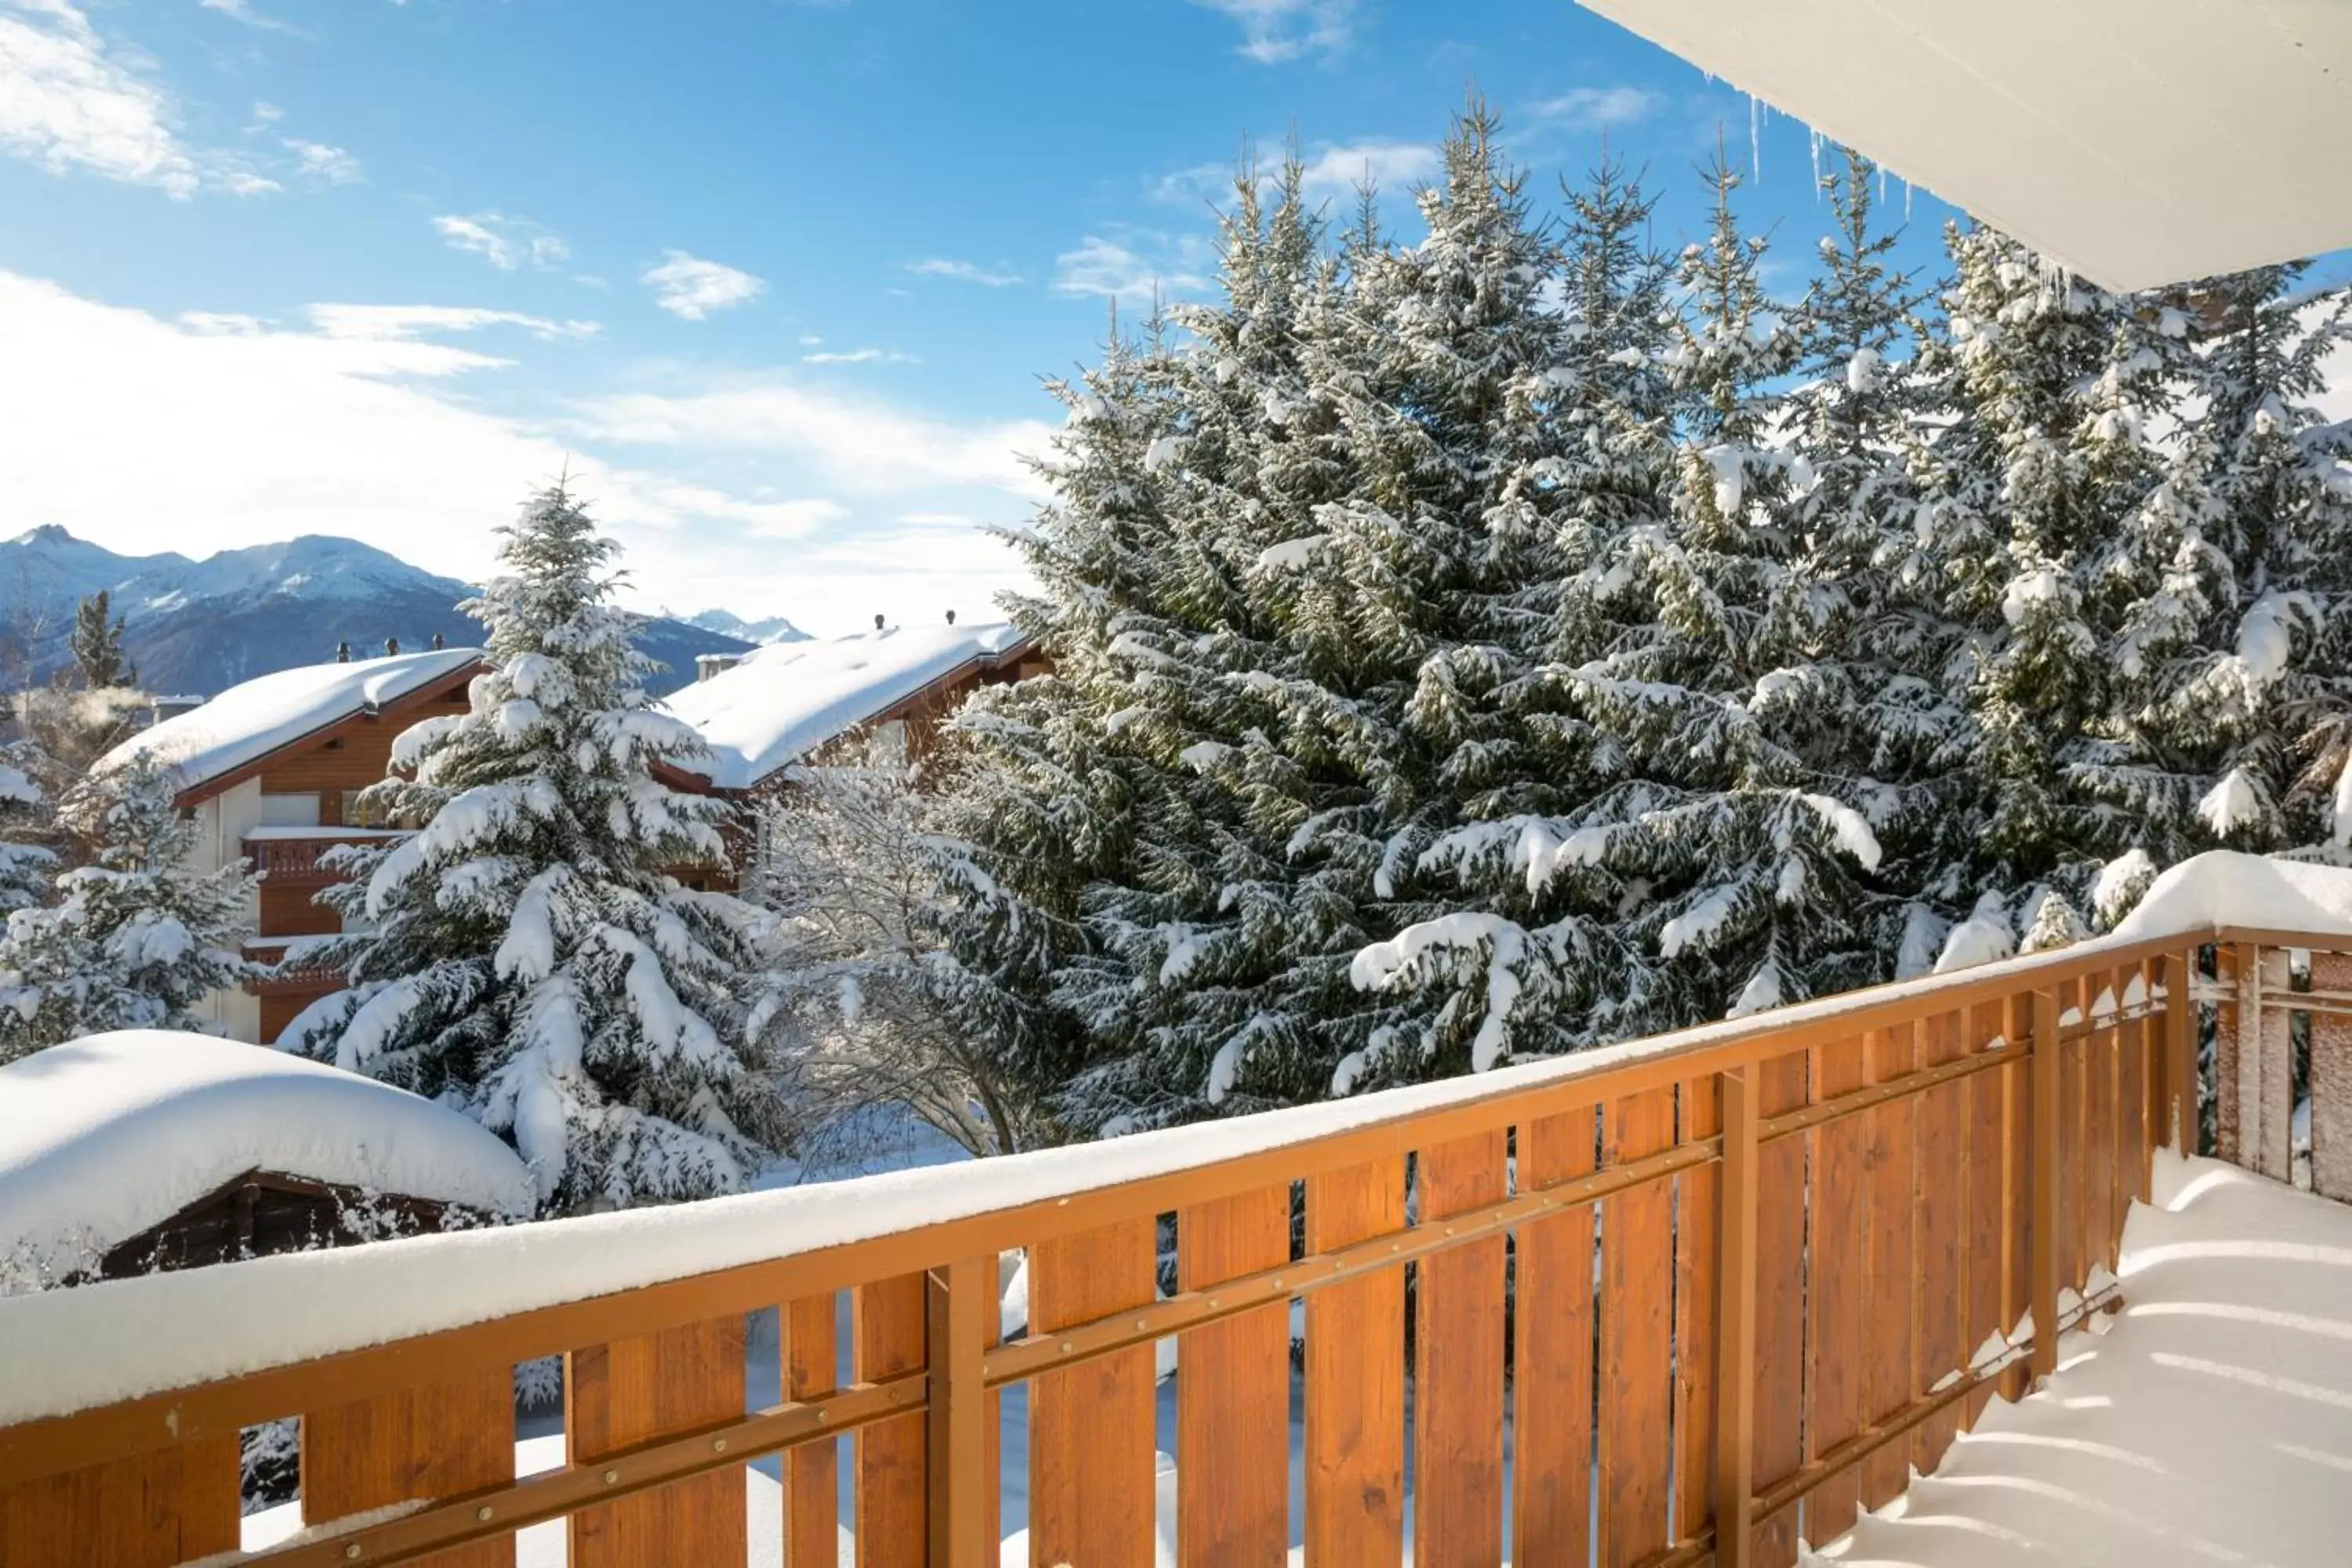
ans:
(292, 860)
(1728, 1287)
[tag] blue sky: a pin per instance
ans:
(779, 279)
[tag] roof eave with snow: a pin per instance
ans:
(2137, 142)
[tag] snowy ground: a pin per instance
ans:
(2211, 1423)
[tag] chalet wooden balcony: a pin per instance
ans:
(1726, 1283)
(291, 857)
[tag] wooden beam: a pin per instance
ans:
(2042, 1270)
(2177, 971)
(960, 1298)
(1735, 1340)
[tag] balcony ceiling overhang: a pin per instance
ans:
(2137, 142)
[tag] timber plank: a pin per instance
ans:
(1698, 1222)
(630, 1391)
(1552, 1329)
(2134, 1039)
(890, 1334)
(2331, 1082)
(1091, 1497)
(2102, 1131)
(1892, 1284)
(1636, 1331)
(1458, 1365)
(1987, 1210)
(1941, 1174)
(146, 1510)
(1782, 1083)
(1355, 1375)
(1233, 1390)
(812, 1497)
(429, 1442)
(1837, 1344)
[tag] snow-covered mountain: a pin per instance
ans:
(196, 628)
(728, 623)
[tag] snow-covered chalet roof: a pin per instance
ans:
(246, 724)
(784, 700)
(104, 1137)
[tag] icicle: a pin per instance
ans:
(1907, 188)
(1816, 138)
(1755, 139)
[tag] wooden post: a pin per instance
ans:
(2247, 1090)
(2042, 1269)
(2178, 975)
(1735, 1342)
(959, 1297)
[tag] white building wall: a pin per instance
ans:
(222, 824)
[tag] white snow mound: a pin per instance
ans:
(102, 1137)
(2224, 888)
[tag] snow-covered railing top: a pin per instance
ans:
(170, 1332)
(103, 1138)
(247, 722)
(786, 700)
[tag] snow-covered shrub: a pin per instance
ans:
(138, 938)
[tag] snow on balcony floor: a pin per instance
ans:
(2211, 1422)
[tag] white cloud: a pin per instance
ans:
(266, 113)
(409, 321)
(242, 11)
(1137, 267)
(861, 356)
(1385, 162)
(1597, 107)
(964, 272)
(859, 445)
(506, 243)
(66, 103)
(690, 287)
(250, 434)
(321, 161)
(1277, 30)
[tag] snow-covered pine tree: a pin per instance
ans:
(2233, 660)
(1536, 955)
(2049, 388)
(137, 938)
(1866, 700)
(528, 955)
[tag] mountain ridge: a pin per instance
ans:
(195, 627)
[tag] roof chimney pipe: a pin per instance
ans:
(437, 644)
(391, 644)
(877, 623)
(342, 653)
(951, 617)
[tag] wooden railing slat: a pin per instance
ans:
(1941, 1174)
(889, 1332)
(150, 1510)
(1458, 1365)
(2073, 1141)
(1781, 1086)
(2102, 1136)
(1699, 1246)
(1355, 1375)
(1893, 1210)
(2273, 1154)
(961, 1297)
(633, 1390)
(1838, 1343)
(1733, 1466)
(1637, 1265)
(1090, 1427)
(1989, 1217)
(2331, 1082)
(2234, 971)
(1553, 1349)
(1233, 1390)
(429, 1442)
(2044, 1174)
(2132, 1079)
(812, 1488)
